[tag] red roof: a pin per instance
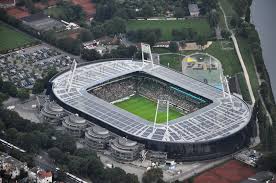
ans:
(44, 174)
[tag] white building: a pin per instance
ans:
(12, 166)
(194, 10)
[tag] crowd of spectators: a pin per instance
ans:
(148, 87)
(115, 90)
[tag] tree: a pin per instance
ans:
(56, 154)
(240, 6)
(147, 11)
(90, 55)
(9, 88)
(23, 94)
(115, 26)
(3, 97)
(85, 35)
(225, 34)
(201, 40)
(38, 86)
(213, 18)
(179, 12)
(153, 175)
(233, 22)
(173, 47)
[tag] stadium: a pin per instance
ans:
(197, 122)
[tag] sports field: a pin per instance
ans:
(201, 26)
(10, 39)
(146, 108)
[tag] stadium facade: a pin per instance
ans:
(220, 128)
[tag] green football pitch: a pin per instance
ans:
(10, 39)
(146, 108)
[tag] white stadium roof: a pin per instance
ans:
(215, 121)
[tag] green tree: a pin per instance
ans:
(153, 175)
(38, 86)
(23, 94)
(90, 55)
(179, 12)
(115, 26)
(86, 35)
(147, 10)
(225, 34)
(173, 47)
(9, 88)
(56, 154)
(213, 18)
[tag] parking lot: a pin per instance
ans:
(24, 67)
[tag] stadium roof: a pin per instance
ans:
(217, 120)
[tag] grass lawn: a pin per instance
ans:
(173, 60)
(244, 88)
(249, 63)
(146, 108)
(201, 26)
(228, 7)
(10, 39)
(227, 57)
(56, 12)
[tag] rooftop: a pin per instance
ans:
(218, 120)
(43, 174)
(193, 8)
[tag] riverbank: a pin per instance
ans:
(262, 16)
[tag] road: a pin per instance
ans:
(246, 75)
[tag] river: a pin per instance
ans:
(263, 16)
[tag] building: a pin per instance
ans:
(194, 10)
(52, 113)
(123, 149)
(97, 138)
(222, 127)
(44, 177)
(74, 125)
(12, 166)
(42, 22)
(162, 44)
(102, 45)
(7, 3)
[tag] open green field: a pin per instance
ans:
(146, 108)
(201, 26)
(55, 12)
(172, 60)
(10, 39)
(249, 63)
(227, 57)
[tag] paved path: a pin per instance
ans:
(246, 75)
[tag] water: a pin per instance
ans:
(263, 15)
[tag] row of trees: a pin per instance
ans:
(133, 9)
(113, 26)
(120, 52)
(245, 30)
(70, 12)
(150, 36)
